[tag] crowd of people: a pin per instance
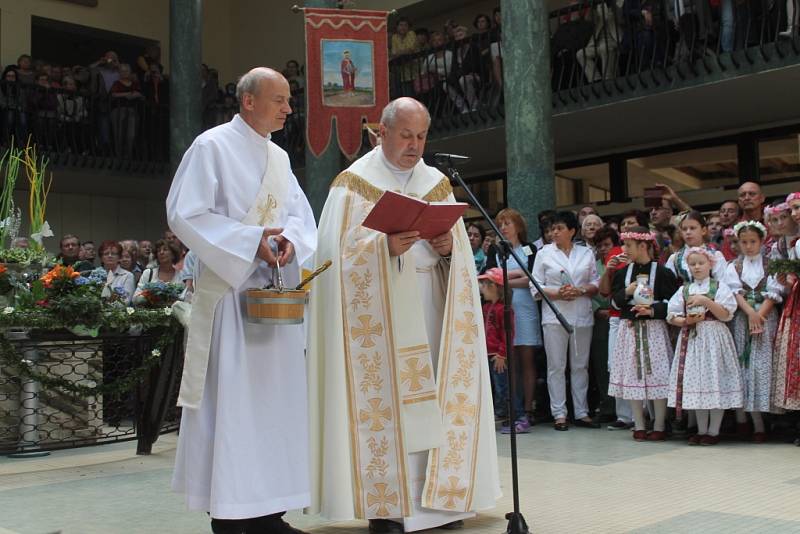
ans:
(458, 68)
(129, 264)
(673, 311)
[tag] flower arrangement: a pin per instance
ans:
(72, 298)
(12, 162)
(159, 294)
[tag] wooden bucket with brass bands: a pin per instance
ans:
(272, 306)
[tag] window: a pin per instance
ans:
(579, 185)
(686, 170)
(780, 158)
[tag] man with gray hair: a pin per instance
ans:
(243, 446)
(402, 429)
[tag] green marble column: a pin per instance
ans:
(320, 171)
(528, 106)
(185, 57)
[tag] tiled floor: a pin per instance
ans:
(576, 481)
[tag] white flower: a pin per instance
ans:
(44, 231)
(156, 353)
(130, 310)
(167, 311)
(8, 310)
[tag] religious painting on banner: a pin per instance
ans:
(347, 71)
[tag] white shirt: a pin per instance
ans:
(579, 267)
(724, 298)
(441, 66)
(124, 279)
(752, 273)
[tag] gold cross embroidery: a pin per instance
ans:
(265, 210)
(451, 492)
(360, 251)
(413, 374)
(467, 328)
(366, 331)
(382, 498)
(461, 409)
(375, 415)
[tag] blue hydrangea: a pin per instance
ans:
(121, 292)
(81, 281)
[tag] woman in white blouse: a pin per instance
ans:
(110, 252)
(167, 255)
(567, 274)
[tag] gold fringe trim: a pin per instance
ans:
(440, 192)
(363, 188)
(357, 185)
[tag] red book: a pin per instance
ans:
(395, 212)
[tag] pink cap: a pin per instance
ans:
(495, 274)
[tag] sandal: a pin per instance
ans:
(562, 426)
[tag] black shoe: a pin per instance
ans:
(455, 525)
(384, 526)
(586, 424)
(229, 526)
(271, 524)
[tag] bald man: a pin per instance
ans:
(751, 201)
(400, 399)
(243, 446)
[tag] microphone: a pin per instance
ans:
(450, 160)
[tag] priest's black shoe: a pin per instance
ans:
(229, 526)
(384, 526)
(270, 524)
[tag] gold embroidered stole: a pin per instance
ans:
(391, 385)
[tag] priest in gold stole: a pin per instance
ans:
(402, 425)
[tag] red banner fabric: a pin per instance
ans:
(347, 75)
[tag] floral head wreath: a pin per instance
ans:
(638, 236)
(774, 210)
(750, 225)
(728, 232)
(793, 196)
(701, 250)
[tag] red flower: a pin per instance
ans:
(44, 303)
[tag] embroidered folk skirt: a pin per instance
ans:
(711, 375)
(641, 363)
(755, 361)
(786, 355)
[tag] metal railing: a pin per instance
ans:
(128, 132)
(601, 48)
(36, 415)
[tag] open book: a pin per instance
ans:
(395, 212)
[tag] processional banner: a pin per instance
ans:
(347, 75)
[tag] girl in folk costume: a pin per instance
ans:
(786, 362)
(754, 323)
(695, 233)
(705, 373)
(642, 353)
(783, 229)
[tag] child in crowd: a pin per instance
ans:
(705, 374)
(492, 290)
(695, 234)
(786, 362)
(754, 324)
(642, 353)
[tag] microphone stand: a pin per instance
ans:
(516, 522)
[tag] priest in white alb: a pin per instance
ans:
(402, 426)
(243, 446)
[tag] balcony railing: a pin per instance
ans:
(602, 49)
(74, 128)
